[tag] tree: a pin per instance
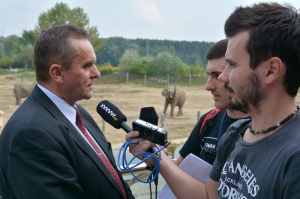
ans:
(24, 57)
(113, 49)
(164, 64)
(2, 51)
(12, 45)
(29, 37)
(127, 59)
(139, 67)
(61, 14)
(5, 62)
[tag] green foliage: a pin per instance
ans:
(127, 59)
(94, 38)
(113, 49)
(18, 51)
(11, 45)
(2, 52)
(139, 67)
(61, 14)
(107, 69)
(198, 71)
(24, 57)
(29, 37)
(5, 62)
(137, 56)
(185, 70)
(164, 64)
(191, 53)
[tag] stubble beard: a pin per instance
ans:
(249, 93)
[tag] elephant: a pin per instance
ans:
(22, 90)
(176, 97)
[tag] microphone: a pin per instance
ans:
(112, 115)
(149, 114)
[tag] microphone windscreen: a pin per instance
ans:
(111, 114)
(149, 115)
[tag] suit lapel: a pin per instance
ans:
(43, 99)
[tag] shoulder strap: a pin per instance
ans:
(212, 113)
(235, 137)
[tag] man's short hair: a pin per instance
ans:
(53, 46)
(217, 50)
(274, 31)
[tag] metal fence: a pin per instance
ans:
(147, 80)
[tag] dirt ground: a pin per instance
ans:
(129, 98)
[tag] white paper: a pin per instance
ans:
(195, 167)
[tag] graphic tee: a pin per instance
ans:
(205, 146)
(267, 168)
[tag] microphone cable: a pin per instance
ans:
(128, 166)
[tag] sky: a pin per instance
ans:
(179, 20)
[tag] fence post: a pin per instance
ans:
(190, 79)
(162, 120)
(1, 118)
(198, 115)
(145, 80)
(127, 77)
(103, 126)
(168, 79)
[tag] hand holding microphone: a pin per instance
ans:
(112, 115)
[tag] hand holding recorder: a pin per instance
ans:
(112, 115)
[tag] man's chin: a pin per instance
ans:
(221, 106)
(237, 106)
(88, 95)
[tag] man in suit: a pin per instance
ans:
(44, 154)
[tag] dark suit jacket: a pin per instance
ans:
(43, 156)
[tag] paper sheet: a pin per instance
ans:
(195, 167)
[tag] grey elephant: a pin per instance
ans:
(22, 90)
(175, 97)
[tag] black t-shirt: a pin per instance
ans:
(205, 146)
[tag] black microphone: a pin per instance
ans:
(149, 114)
(112, 115)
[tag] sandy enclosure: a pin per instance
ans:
(129, 98)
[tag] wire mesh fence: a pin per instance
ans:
(152, 81)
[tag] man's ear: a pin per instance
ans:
(56, 73)
(274, 69)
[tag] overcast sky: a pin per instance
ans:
(190, 20)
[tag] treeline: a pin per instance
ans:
(134, 56)
(16, 52)
(191, 53)
(152, 57)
